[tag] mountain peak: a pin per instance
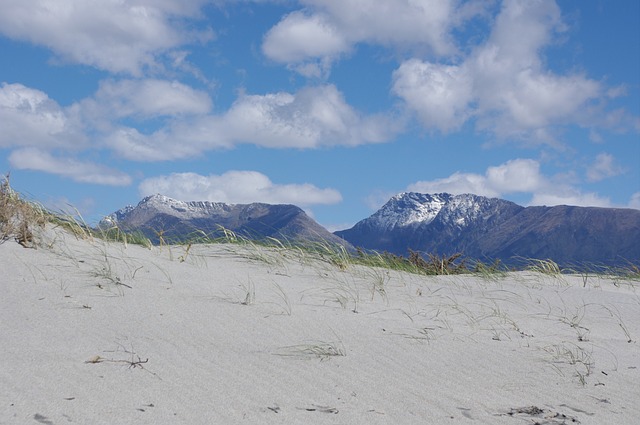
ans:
(179, 219)
(495, 228)
(409, 208)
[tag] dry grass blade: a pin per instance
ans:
(320, 350)
(18, 218)
(548, 267)
(438, 265)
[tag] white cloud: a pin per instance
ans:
(149, 98)
(114, 35)
(503, 83)
(457, 183)
(185, 139)
(518, 176)
(237, 187)
(603, 167)
(184, 125)
(311, 39)
(84, 172)
(311, 118)
(299, 36)
(439, 94)
(30, 118)
(515, 176)
(397, 23)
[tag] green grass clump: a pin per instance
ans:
(115, 234)
(433, 264)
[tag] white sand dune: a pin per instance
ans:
(101, 333)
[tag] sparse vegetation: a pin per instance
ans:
(124, 356)
(547, 267)
(116, 234)
(317, 349)
(573, 355)
(249, 291)
(18, 217)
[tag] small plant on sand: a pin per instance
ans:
(18, 218)
(574, 320)
(317, 349)
(380, 278)
(495, 270)
(415, 263)
(384, 260)
(341, 290)
(547, 267)
(106, 271)
(614, 312)
(286, 303)
(116, 234)
(573, 355)
(250, 293)
(438, 265)
(124, 356)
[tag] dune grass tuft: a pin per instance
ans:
(19, 218)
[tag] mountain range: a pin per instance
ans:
(159, 216)
(444, 224)
(489, 228)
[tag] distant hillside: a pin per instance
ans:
(179, 220)
(489, 228)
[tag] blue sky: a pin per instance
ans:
(332, 105)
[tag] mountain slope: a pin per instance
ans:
(490, 228)
(177, 221)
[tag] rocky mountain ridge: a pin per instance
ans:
(178, 220)
(491, 228)
(479, 227)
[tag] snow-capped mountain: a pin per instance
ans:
(406, 209)
(177, 220)
(490, 228)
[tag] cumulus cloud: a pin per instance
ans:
(237, 187)
(603, 167)
(120, 36)
(162, 145)
(300, 35)
(310, 118)
(503, 83)
(30, 118)
(439, 94)
(311, 39)
(517, 176)
(80, 171)
(148, 98)
(181, 123)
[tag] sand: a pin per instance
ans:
(102, 333)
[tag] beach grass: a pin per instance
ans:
(20, 219)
